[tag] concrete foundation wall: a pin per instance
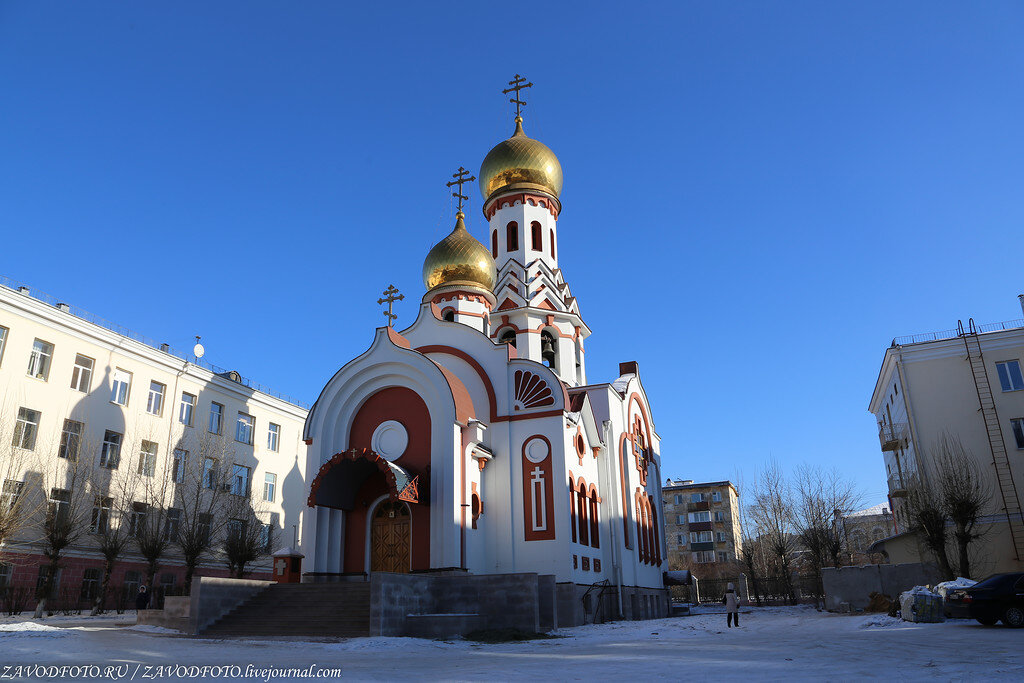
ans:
(854, 585)
(500, 600)
(212, 598)
(173, 615)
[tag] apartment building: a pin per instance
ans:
(702, 523)
(90, 411)
(966, 383)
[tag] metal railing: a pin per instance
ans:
(954, 333)
(892, 436)
(82, 314)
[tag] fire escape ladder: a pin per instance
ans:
(1000, 460)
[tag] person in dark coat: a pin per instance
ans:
(732, 606)
(142, 599)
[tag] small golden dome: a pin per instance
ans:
(459, 259)
(520, 163)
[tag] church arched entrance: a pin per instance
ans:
(390, 538)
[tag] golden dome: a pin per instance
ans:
(520, 163)
(459, 259)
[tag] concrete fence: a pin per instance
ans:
(854, 585)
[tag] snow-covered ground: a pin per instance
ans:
(774, 643)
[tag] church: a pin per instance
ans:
(470, 443)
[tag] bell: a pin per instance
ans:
(547, 346)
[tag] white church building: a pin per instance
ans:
(471, 443)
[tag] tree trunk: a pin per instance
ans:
(47, 587)
(963, 540)
(108, 569)
(190, 570)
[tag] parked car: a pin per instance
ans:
(998, 598)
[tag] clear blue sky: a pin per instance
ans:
(758, 196)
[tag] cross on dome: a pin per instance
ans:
(460, 178)
(518, 84)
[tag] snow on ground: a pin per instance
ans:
(773, 643)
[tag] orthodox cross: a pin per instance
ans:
(460, 178)
(390, 298)
(518, 83)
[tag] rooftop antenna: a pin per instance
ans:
(198, 349)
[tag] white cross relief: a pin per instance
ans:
(537, 496)
(280, 566)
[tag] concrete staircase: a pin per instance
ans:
(331, 610)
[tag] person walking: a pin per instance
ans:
(732, 607)
(142, 599)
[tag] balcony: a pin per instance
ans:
(703, 505)
(897, 486)
(893, 436)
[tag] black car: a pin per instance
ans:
(999, 597)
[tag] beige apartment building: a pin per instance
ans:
(88, 402)
(966, 382)
(702, 524)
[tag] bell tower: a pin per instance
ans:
(520, 181)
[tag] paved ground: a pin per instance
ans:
(772, 644)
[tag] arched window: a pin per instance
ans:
(595, 529)
(494, 243)
(535, 236)
(553, 243)
(512, 236)
(581, 507)
(477, 507)
(641, 535)
(449, 315)
(508, 337)
(655, 539)
(572, 507)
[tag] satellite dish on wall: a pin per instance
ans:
(198, 349)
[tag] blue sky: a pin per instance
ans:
(758, 196)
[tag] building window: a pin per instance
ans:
(101, 508)
(39, 361)
(240, 480)
(147, 459)
(716, 497)
(244, 428)
(188, 408)
(155, 403)
(719, 516)
(121, 388)
(137, 520)
(723, 556)
(269, 487)
(209, 473)
(178, 464)
(494, 243)
(132, 579)
(266, 536)
(167, 581)
(697, 497)
(512, 236)
(680, 519)
(703, 516)
(1009, 375)
(677, 499)
(110, 450)
(720, 536)
(680, 539)
(204, 526)
(1018, 431)
(81, 375)
(6, 572)
(700, 537)
(508, 337)
(216, 418)
(90, 584)
(60, 506)
(704, 556)
(273, 437)
(43, 577)
(172, 524)
(552, 232)
(26, 428)
(10, 494)
(3, 342)
(535, 236)
(70, 440)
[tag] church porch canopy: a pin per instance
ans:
(338, 482)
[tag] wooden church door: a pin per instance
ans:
(390, 536)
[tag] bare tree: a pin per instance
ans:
(963, 491)
(111, 508)
(17, 509)
(771, 511)
(928, 519)
(148, 523)
(199, 498)
(247, 537)
(819, 495)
